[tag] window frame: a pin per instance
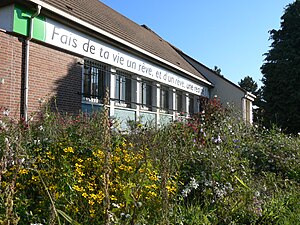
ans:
(146, 94)
(164, 98)
(123, 88)
(95, 81)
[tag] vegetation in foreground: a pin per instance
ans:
(210, 169)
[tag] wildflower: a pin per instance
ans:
(92, 210)
(2, 125)
(68, 149)
(34, 178)
(193, 183)
(91, 202)
(113, 198)
(41, 100)
(23, 171)
(217, 140)
(185, 192)
(6, 112)
(115, 205)
(85, 195)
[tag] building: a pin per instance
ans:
(71, 52)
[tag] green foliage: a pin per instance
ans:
(248, 84)
(281, 72)
(209, 169)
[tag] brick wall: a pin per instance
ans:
(10, 72)
(53, 75)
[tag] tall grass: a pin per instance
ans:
(209, 169)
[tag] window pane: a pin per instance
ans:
(164, 97)
(146, 94)
(123, 87)
(191, 105)
(95, 80)
(179, 102)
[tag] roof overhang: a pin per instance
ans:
(250, 96)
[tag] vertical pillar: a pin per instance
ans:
(137, 93)
(112, 91)
(157, 100)
(244, 109)
(174, 103)
(187, 103)
(250, 112)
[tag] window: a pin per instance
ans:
(179, 102)
(146, 94)
(123, 88)
(164, 98)
(191, 104)
(95, 80)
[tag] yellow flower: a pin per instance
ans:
(85, 195)
(118, 149)
(113, 198)
(92, 210)
(91, 202)
(152, 194)
(34, 178)
(171, 189)
(68, 149)
(77, 188)
(23, 171)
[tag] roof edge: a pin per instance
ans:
(113, 37)
(222, 77)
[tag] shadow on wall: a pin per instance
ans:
(67, 91)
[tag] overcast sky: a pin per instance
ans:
(230, 34)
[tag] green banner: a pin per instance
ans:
(22, 23)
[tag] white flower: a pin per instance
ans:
(115, 205)
(193, 183)
(217, 140)
(185, 192)
(6, 112)
(2, 125)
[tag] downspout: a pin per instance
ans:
(26, 75)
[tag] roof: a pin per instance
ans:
(103, 17)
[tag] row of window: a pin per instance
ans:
(97, 79)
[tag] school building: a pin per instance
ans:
(71, 51)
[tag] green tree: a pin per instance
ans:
(281, 73)
(248, 84)
(217, 70)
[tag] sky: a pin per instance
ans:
(230, 34)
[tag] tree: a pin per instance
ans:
(248, 84)
(281, 73)
(217, 70)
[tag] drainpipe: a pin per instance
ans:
(27, 46)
